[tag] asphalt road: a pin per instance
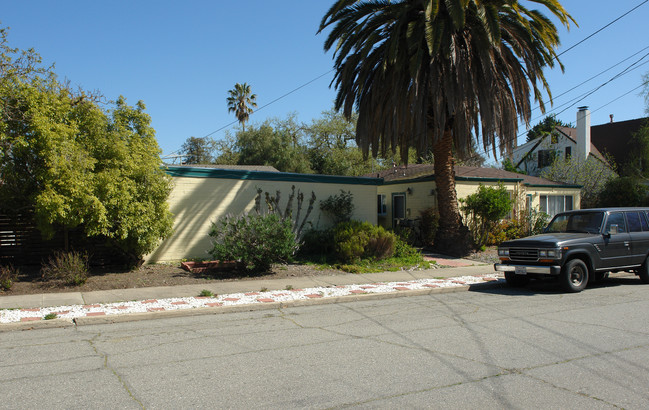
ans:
(496, 348)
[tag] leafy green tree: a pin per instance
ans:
(592, 174)
(624, 191)
(545, 127)
(484, 209)
(227, 149)
(508, 165)
(75, 165)
(645, 82)
(199, 150)
(241, 101)
(425, 74)
(331, 146)
(275, 142)
(636, 164)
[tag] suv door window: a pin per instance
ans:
(639, 243)
(616, 218)
(633, 218)
(643, 221)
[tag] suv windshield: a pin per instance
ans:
(586, 222)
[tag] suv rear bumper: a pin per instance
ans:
(536, 269)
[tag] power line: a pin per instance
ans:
(275, 100)
(597, 75)
(486, 151)
(601, 29)
(570, 103)
(266, 105)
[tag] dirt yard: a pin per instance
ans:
(29, 282)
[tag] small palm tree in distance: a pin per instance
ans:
(241, 102)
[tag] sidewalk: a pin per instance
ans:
(109, 304)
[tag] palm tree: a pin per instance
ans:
(431, 74)
(241, 102)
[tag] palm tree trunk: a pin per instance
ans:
(452, 236)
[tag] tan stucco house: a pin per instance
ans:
(406, 191)
(202, 194)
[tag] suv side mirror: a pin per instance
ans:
(612, 230)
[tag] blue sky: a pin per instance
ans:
(180, 58)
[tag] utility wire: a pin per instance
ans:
(266, 105)
(557, 56)
(487, 151)
(275, 100)
(601, 29)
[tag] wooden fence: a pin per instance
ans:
(22, 244)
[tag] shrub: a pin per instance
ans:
(361, 240)
(405, 251)
(66, 268)
(316, 242)
(526, 225)
(339, 207)
(429, 225)
(257, 241)
(484, 209)
(273, 207)
(624, 191)
(8, 275)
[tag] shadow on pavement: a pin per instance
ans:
(551, 286)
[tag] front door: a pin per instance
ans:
(398, 208)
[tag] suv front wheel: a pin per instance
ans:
(643, 273)
(574, 276)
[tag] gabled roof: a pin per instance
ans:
(416, 172)
(570, 134)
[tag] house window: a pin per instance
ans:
(382, 207)
(546, 156)
(554, 204)
(568, 152)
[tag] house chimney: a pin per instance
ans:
(611, 115)
(583, 133)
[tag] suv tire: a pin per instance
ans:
(516, 281)
(574, 276)
(643, 273)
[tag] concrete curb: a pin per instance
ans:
(133, 317)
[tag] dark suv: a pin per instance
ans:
(580, 246)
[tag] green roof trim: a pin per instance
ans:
(192, 172)
(409, 181)
(553, 186)
(432, 178)
(479, 179)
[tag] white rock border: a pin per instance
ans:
(153, 305)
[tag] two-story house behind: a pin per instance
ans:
(564, 142)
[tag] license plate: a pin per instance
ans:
(520, 270)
